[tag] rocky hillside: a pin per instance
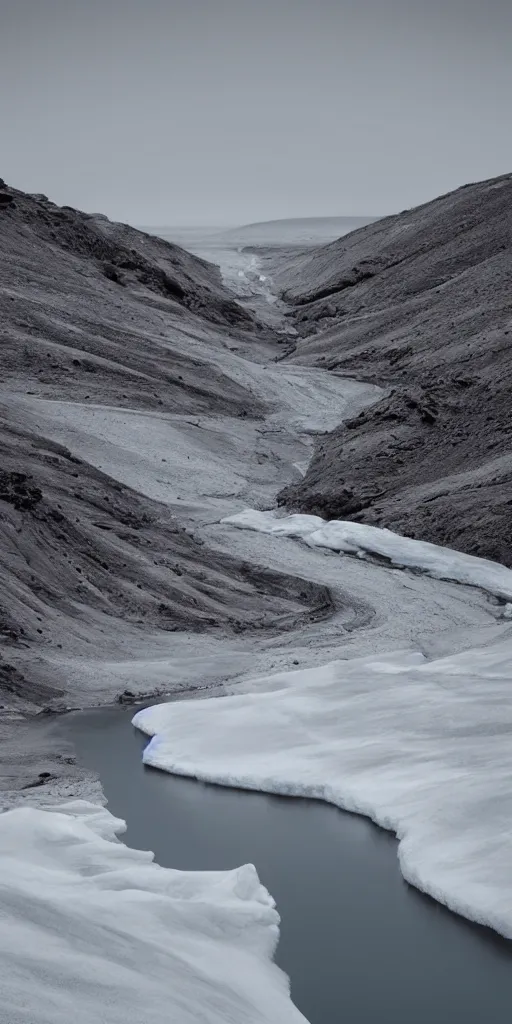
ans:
(88, 309)
(420, 303)
(98, 313)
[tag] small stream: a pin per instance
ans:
(359, 944)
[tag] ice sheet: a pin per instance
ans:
(92, 931)
(423, 748)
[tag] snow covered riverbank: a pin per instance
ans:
(92, 930)
(345, 537)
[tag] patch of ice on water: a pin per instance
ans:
(422, 748)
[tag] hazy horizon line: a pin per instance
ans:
(269, 220)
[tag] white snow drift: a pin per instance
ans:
(92, 931)
(359, 539)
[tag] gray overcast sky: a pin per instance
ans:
(227, 111)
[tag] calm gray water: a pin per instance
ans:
(359, 944)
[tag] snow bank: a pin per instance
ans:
(423, 748)
(93, 931)
(359, 539)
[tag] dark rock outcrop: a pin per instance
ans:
(16, 488)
